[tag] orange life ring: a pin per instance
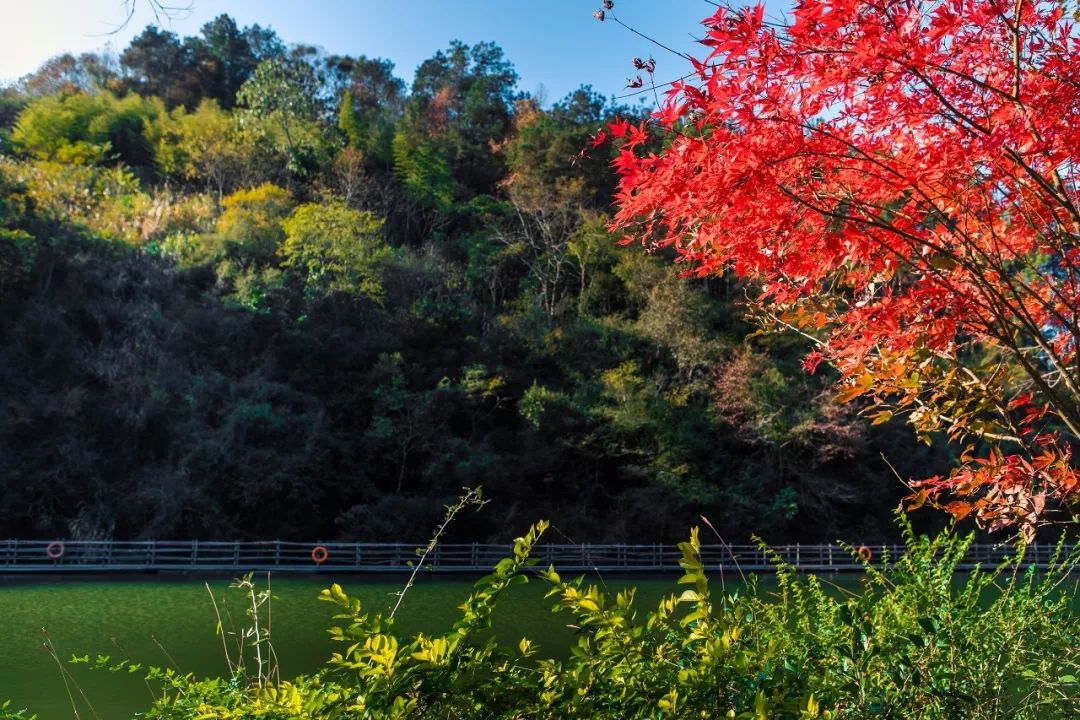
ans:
(54, 550)
(319, 554)
(864, 554)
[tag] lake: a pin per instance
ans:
(169, 620)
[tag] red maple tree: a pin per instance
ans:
(899, 179)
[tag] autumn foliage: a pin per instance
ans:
(899, 182)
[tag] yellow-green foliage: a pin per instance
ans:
(110, 202)
(203, 145)
(423, 171)
(336, 248)
(248, 231)
(89, 129)
(107, 201)
(253, 218)
(18, 247)
(919, 642)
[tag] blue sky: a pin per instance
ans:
(554, 44)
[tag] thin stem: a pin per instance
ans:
(472, 496)
(654, 41)
(221, 630)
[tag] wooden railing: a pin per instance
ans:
(36, 556)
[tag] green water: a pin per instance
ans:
(170, 621)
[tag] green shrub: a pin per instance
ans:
(924, 641)
(920, 642)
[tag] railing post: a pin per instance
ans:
(194, 553)
(277, 553)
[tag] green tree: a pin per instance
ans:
(157, 63)
(460, 104)
(545, 147)
(282, 106)
(595, 254)
(371, 103)
(227, 56)
(424, 172)
(11, 104)
(82, 128)
(213, 65)
(404, 422)
(18, 246)
(336, 249)
(202, 147)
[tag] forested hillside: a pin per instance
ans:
(254, 290)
